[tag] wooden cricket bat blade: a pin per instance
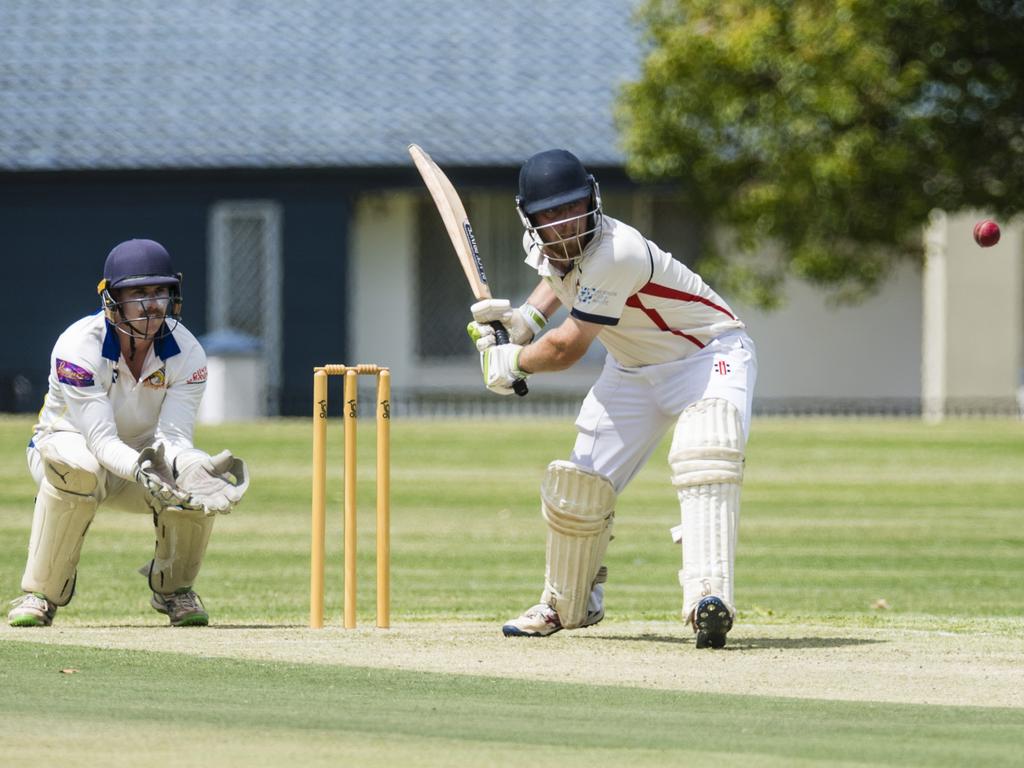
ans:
(460, 232)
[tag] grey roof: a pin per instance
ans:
(108, 84)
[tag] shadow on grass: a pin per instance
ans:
(213, 625)
(752, 643)
(259, 626)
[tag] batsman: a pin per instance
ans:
(115, 431)
(678, 358)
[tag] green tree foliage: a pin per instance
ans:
(828, 129)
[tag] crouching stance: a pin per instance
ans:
(115, 431)
(678, 358)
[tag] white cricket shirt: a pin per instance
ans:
(93, 392)
(654, 309)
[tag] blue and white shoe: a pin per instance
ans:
(711, 621)
(539, 621)
(542, 620)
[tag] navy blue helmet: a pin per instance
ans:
(139, 262)
(552, 178)
(136, 263)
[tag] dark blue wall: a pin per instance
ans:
(58, 229)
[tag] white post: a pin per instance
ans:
(933, 337)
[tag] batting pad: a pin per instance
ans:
(181, 539)
(578, 505)
(706, 459)
(59, 524)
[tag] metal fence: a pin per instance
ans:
(20, 395)
(478, 404)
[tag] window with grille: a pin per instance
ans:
(244, 279)
(444, 296)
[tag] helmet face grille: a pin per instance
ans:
(145, 326)
(567, 249)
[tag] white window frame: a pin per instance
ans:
(219, 282)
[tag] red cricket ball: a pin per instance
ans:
(986, 233)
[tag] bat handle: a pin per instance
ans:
(501, 336)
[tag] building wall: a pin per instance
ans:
(351, 292)
(58, 230)
(812, 349)
(808, 350)
(973, 318)
(382, 279)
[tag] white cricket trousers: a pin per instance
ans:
(111, 491)
(628, 410)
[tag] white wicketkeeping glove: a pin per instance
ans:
(522, 323)
(154, 474)
(500, 365)
(215, 484)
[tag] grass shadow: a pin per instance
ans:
(259, 626)
(752, 643)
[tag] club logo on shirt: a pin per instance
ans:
(157, 381)
(73, 375)
(197, 377)
(593, 296)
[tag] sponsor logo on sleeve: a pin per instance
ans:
(197, 377)
(73, 375)
(593, 296)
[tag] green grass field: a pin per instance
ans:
(838, 515)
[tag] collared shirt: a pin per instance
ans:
(654, 309)
(93, 392)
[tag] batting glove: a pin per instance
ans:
(523, 323)
(500, 365)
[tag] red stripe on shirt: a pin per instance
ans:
(658, 320)
(664, 292)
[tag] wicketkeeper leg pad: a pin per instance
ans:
(181, 539)
(578, 505)
(59, 525)
(706, 459)
(68, 466)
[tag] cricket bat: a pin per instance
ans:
(460, 232)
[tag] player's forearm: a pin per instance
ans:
(554, 351)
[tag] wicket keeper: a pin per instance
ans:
(115, 430)
(677, 357)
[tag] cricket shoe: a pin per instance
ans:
(711, 621)
(184, 608)
(542, 620)
(31, 610)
